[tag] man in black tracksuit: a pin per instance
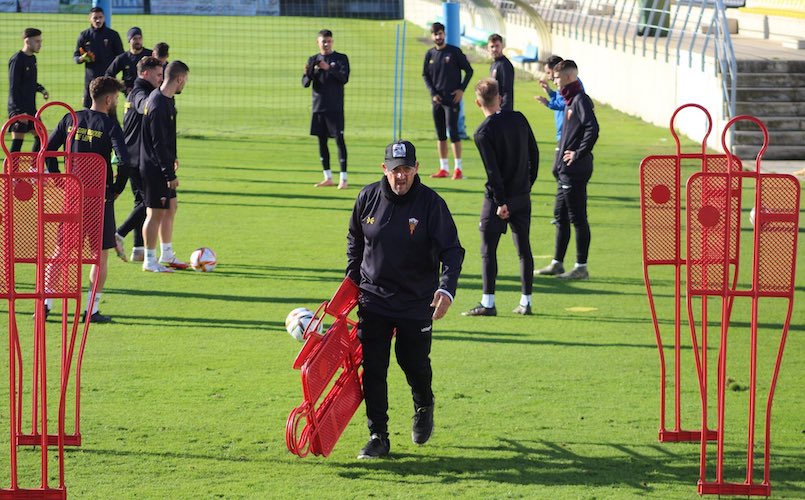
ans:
(158, 164)
(511, 158)
(328, 72)
(150, 77)
(502, 71)
(23, 86)
(96, 48)
(573, 168)
(404, 253)
(127, 61)
(99, 133)
(442, 74)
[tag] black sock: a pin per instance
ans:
(16, 145)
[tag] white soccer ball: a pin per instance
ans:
(203, 260)
(752, 216)
(298, 321)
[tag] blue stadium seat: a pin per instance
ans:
(528, 56)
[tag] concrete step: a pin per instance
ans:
(770, 66)
(749, 153)
(770, 108)
(762, 95)
(771, 80)
(775, 123)
(790, 138)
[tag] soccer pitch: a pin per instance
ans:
(186, 394)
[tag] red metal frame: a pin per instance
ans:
(661, 212)
(41, 226)
(710, 219)
(90, 168)
(320, 360)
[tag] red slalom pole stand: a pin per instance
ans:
(40, 235)
(711, 221)
(661, 215)
(322, 357)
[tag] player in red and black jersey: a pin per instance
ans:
(511, 159)
(99, 133)
(158, 165)
(23, 86)
(328, 72)
(150, 77)
(96, 48)
(442, 74)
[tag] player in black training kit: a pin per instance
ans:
(23, 86)
(158, 165)
(127, 61)
(150, 77)
(573, 168)
(328, 71)
(511, 158)
(96, 48)
(403, 252)
(99, 133)
(442, 74)
(502, 71)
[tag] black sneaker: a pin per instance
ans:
(378, 446)
(524, 310)
(423, 424)
(480, 310)
(97, 318)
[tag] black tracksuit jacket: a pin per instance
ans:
(401, 249)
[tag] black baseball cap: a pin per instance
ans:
(400, 153)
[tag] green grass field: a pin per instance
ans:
(186, 394)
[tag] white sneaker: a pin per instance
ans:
(156, 268)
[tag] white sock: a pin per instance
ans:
(48, 304)
(458, 163)
(444, 164)
(579, 266)
(488, 300)
(343, 177)
(525, 300)
(167, 251)
(94, 304)
(328, 175)
(554, 261)
(151, 256)
(138, 249)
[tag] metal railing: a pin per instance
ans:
(688, 32)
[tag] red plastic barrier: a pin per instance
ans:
(661, 212)
(41, 233)
(334, 360)
(711, 221)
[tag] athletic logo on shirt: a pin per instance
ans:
(370, 220)
(446, 59)
(412, 225)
